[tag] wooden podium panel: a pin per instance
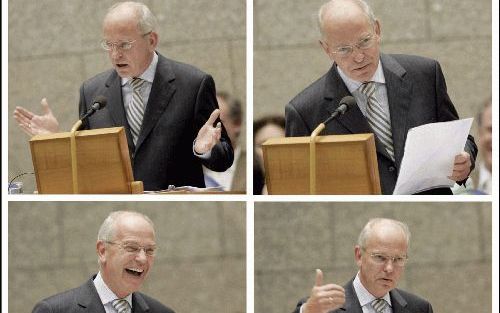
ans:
(345, 164)
(102, 157)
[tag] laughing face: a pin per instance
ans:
(119, 29)
(379, 277)
(126, 259)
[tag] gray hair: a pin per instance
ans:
(107, 229)
(367, 230)
(360, 3)
(146, 23)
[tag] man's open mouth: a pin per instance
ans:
(134, 271)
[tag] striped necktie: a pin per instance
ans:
(135, 111)
(379, 305)
(121, 306)
(377, 118)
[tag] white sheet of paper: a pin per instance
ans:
(430, 150)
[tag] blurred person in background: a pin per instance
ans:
(263, 129)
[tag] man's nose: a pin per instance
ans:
(389, 266)
(358, 54)
(141, 256)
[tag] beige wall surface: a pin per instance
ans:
(450, 251)
(200, 266)
(288, 57)
(54, 46)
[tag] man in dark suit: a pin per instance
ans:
(380, 254)
(126, 249)
(394, 92)
(168, 109)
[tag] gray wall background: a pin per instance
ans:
(54, 46)
(200, 266)
(450, 251)
(457, 33)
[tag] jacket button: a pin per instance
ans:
(392, 168)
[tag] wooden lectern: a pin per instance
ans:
(345, 164)
(102, 163)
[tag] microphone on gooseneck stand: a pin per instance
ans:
(99, 103)
(344, 105)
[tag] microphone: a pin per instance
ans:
(344, 105)
(99, 103)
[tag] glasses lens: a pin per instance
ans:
(125, 45)
(366, 42)
(343, 51)
(105, 45)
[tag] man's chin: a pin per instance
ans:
(123, 71)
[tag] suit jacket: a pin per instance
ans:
(402, 302)
(181, 100)
(86, 299)
(416, 90)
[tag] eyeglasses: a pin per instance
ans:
(363, 44)
(120, 45)
(134, 248)
(381, 259)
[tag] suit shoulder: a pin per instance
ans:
(61, 302)
(414, 61)
(310, 96)
(99, 79)
(415, 301)
(155, 305)
(185, 69)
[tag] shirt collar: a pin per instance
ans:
(354, 85)
(148, 75)
(105, 293)
(364, 296)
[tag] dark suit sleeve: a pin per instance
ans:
(295, 125)
(447, 112)
(221, 157)
(42, 307)
(299, 304)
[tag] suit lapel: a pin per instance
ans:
(351, 304)
(399, 97)
(335, 90)
(159, 98)
(399, 304)
(88, 298)
(116, 107)
(139, 305)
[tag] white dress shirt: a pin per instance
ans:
(380, 90)
(106, 295)
(365, 297)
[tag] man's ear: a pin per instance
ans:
(153, 40)
(357, 255)
(101, 250)
(324, 46)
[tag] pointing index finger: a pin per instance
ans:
(213, 117)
